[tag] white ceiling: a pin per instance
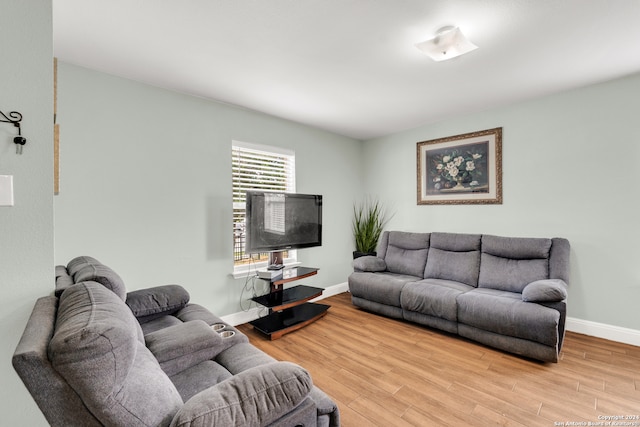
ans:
(350, 66)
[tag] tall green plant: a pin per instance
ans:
(369, 219)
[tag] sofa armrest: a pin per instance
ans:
(255, 397)
(182, 346)
(549, 290)
(369, 263)
(151, 303)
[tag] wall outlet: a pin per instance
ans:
(6, 190)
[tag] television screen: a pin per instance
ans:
(281, 221)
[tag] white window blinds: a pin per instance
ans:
(257, 167)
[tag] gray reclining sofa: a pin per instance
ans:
(93, 355)
(505, 292)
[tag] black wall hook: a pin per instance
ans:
(15, 118)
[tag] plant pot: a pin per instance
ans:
(357, 254)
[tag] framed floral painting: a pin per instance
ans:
(461, 169)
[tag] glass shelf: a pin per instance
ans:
(279, 300)
(289, 308)
(279, 323)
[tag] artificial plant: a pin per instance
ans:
(369, 219)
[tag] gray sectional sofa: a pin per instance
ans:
(93, 355)
(506, 292)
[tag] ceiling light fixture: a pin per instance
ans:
(448, 43)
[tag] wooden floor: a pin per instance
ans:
(387, 372)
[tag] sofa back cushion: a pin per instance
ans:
(151, 303)
(510, 263)
(104, 275)
(95, 347)
(454, 257)
(405, 253)
(79, 262)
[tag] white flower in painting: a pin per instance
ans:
(474, 183)
(440, 166)
(458, 160)
(453, 171)
(470, 166)
(450, 166)
(446, 159)
(476, 156)
(436, 179)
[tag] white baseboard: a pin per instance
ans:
(601, 330)
(235, 319)
(333, 290)
(254, 313)
(586, 327)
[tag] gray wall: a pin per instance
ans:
(569, 170)
(26, 229)
(146, 184)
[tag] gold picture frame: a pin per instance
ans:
(460, 169)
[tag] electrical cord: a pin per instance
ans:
(250, 286)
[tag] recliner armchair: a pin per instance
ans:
(89, 358)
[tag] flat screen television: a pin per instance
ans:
(276, 222)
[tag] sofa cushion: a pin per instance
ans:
(184, 345)
(197, 312)
(433, 297)
(510, 274)
(457, 266)
(192, 381)
(257, 396)
(516, 247)
(551, 290)
(95, 347)
(405, 239)
(454, 257)
(159, 323)
(104, 275)
(511, 263)
(506, 314)
(369, 263)
(383, 288)
(456, 242)
(241, 357)
(406, 253)
(148, 304)
(406, 261)
(77, 263)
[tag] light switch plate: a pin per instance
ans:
(6, 190)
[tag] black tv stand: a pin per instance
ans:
(289, 308)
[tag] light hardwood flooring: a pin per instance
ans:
(387, 372)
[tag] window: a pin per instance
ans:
(257, 167)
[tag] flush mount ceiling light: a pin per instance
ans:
(448, 43)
